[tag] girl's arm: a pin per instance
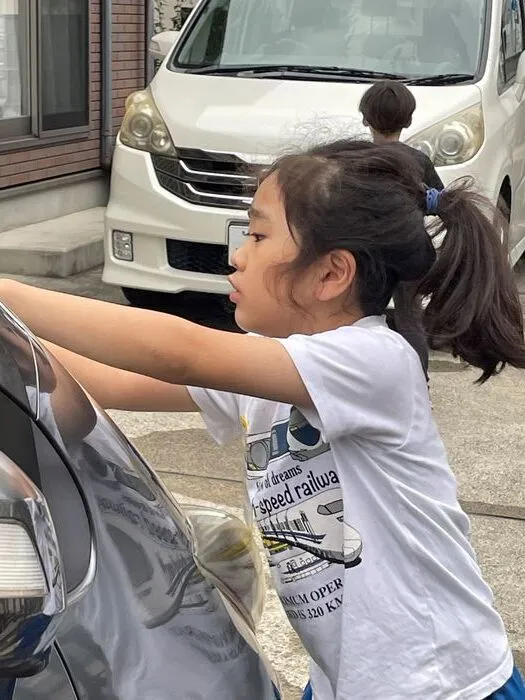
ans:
(117, 388)
(159, 345)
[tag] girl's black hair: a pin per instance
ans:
(370, 200)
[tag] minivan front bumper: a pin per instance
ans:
(180, 245)
(166, 232)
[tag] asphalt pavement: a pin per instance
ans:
(482, 427)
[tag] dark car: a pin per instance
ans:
(108, 589)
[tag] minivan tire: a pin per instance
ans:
(145, 299)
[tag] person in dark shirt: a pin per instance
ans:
(387, 108)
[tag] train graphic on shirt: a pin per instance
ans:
(294, 436)
(300, 566)
(315, 526)
(302, 519)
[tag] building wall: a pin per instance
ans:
(129, 62)
(26, 165)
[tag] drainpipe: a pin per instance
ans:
(106, 57)
(149, 32)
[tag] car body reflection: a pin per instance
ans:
(142, 621)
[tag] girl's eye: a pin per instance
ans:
(256, 236)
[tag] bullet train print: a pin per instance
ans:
(316, 525)
(294, 436)
(307, 532)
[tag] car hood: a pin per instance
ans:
(263, 116)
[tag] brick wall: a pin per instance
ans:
(128, 53)
(41, 163)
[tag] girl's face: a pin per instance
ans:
(262, 287)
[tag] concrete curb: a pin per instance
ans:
(56, 247)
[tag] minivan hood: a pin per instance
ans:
(263, 116)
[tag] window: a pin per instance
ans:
(44, 66)
(411, 37)
(64, 64)
(511, 41)
(14, 68)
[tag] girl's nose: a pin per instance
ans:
(238, 257)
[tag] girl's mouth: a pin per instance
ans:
(235, 294)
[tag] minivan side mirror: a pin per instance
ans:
(161, 44)
(32, 586)
(520, 76)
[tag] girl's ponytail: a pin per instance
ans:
(369, 199)
(474, 309)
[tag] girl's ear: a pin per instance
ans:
(337, 272)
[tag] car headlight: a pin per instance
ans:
(454, 140)
(143, 127)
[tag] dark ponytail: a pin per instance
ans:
(474, 309)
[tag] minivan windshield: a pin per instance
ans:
(402, 38)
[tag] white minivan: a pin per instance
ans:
(246, 80)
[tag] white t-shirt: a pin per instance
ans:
(365, 537)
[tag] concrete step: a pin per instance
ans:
(56, 247)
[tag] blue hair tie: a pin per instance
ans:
(432, 198)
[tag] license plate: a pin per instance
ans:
(236, 237)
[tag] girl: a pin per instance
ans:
(347, 476)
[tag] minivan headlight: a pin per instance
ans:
(454, 140)
(143, 127)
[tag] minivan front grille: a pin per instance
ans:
(208, 258)
(207, 178)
